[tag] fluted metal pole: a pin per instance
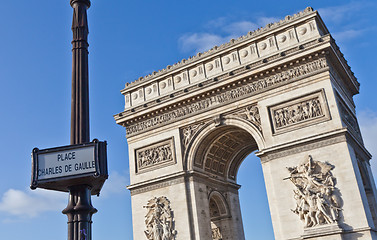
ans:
(80, 75)
(79, 209)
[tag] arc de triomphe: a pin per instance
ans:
(284, 90)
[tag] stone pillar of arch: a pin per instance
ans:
(284, 91)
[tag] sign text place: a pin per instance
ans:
(66, 163)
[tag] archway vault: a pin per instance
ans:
(219, 149)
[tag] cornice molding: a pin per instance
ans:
(226, 94)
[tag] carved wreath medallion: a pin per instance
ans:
(159, 220)
(317, 198)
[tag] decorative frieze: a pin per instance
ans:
(223, 97)
(317, 199)
(158, 154)
(304, 110)
(159, 220)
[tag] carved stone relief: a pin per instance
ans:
(159, 220)
(189, 131)
(297, 112)
(317, 199)
(251, 114)
(157, 154)
(215, 99)
(216, 234)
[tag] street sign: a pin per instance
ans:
(61, 167)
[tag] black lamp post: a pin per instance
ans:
(80, 210)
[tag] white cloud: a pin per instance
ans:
(116, 184)
(338, 13)
(352, 13)
(30, 204)
(199, 42)
(348, 34)
(219, 31)
(240, 28)
(263, 21)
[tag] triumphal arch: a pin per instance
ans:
(284, 91)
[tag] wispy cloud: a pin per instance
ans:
(199, 42)
(263, 21)
(29, 204)
(17, 204)
(338, 13)
(116, 184)
(239, 28)
(349, 20)
(348, 34)
(219, 31)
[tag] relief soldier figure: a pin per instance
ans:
(317, 202)
(159, 220)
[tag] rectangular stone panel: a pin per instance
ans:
(297, 113)
(197, 73)
(154, 156)
(127, 100)
(137, 96)
(151, 91)
(213, 67)
(248, 53)
(181, 79)
(287, 39)
(307, 31)
(166, 85)
(267, 46)
(230, 60)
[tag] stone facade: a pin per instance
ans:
(284, 90)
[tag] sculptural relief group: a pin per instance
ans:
(159, 220)
(317, 200)
(297, 113)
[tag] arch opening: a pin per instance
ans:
(218, 152)
(219, 214)
(222, 151)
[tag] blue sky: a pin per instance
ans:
(129, 39)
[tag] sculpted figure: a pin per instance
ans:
(157, 230)
(189, 132)
(159, 220)
(317, 201)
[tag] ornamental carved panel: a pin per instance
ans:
(188, 133)
(306, 110)
(251, 114)
(317, 199)
(156, 155)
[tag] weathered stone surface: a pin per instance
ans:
(284, 90)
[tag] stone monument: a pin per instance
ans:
(284, 90)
